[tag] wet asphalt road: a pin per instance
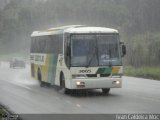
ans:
(23, 95)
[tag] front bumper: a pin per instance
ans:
(96, 83)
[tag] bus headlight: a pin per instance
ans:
(116, 82)
(80, 84)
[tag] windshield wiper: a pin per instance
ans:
(94, 53)
(90, 60)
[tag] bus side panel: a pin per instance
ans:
(61, 67)
(47, 70)
(40, 66)
(52, 68)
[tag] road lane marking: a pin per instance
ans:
(139, 95)
(23, 86)
(78, 105)
(20, 85)
(68, 102)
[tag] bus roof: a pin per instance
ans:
(74, 29)
(91, 30)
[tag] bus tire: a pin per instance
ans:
(40, 77)
(106, 90)
(62, 84)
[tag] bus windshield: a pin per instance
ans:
(95, 50)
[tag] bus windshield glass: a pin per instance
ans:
(95, 50)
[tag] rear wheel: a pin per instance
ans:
(106, 90)
(40, 77)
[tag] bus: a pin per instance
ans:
(78, 57)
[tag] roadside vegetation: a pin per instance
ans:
(2, 113)
(5, 114)
(144, 72)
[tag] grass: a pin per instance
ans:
(143, 72)
(2, 112)
(6, 114)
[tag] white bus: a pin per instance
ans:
(78, 57)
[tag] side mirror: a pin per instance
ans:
(123, 50)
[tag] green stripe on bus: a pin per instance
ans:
(104, 70)
(52, 67)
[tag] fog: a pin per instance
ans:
(136, 20)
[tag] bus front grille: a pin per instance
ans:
(105, 75)
(91, 75)
(95, 75)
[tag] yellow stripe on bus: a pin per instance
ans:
(115, 70)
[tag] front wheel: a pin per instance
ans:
(62, 85)
(106, 90)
